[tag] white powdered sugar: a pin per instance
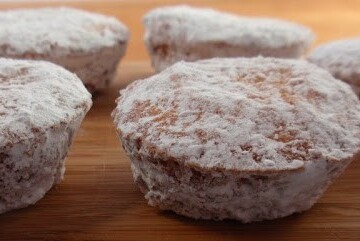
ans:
(202, 25)
(87, 44)
(342, 59)
(41, 108)
(255, 114)
(187, 33)
(57, 32)
(37, 94)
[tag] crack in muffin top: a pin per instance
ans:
(244, 114)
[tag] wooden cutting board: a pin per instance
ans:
(98, 200)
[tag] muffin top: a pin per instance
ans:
(36, 96)
(241, 114)
(57, 31)
(202, 25)
(341, 58)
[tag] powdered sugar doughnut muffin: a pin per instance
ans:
(41, 107)
(342, 59)
(87, 44)
(245, 138)
(186, 33)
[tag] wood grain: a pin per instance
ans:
(98, 200)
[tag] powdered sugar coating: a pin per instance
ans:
(257, 114)
(186, 33)
(57, 31)
(246, 197)
(39, 94)
(87, 44)
(41, 107)
(342, 59)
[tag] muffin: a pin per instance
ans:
(249, 139)
(187, 33)
(42, 106)
(87, 44)
(342, 59)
